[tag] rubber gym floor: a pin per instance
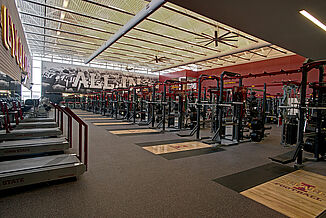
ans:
(125, 180)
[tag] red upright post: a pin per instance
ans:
(5, 117)
(70, 131)
(86, 146)
(80, 141)
(58, 116)
(61, 122)
(20, 111)
(8, 118)
(55, 113)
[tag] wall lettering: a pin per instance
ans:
(11, 41)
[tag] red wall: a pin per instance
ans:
(175, 75)
(272, 65)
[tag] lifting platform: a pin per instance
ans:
(40, 169)
(32, 146)
(285, 158)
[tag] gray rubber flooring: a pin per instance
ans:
(124, 180)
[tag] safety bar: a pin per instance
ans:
(309, 66)
(58, 110)
(250, 75)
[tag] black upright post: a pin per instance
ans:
(116, 105)
(153, 106)
(239, 135)
(180, 114)
(204, 108)
(141, 106)
(198, 108)
(105, 103)
(128, 105)
(149, 108)
(240, 132)
(169, 107)
(264, 110)
(302, 111)
(319, 115)
(219, 108)
(216, 109)
(110, 104)
(134, 104)
(102, 103)
(164, 106)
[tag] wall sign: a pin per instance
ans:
(58, 78)
(12, 42)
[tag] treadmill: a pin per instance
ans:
(31, 125)
(32, 147)
(30, 144)
(21, 134)
(16, 173)
(37, 119)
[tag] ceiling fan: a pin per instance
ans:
(160, 59)
(216, 39)
(129, 68)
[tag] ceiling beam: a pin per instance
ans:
(207, 22)
(106, 21)
(92, 43)
(74, 52)
(85, 48)
(183, 30)
(98, 30)
(104, 57)
(101, 39)
(223, 54)
(74, 46)
(137, 19)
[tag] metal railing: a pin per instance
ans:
(59, 112)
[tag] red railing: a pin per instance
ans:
(58, 116)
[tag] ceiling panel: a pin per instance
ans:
(170, 38)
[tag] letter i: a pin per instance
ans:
(5, 27)
(13, 40)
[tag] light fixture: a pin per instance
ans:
(313, 19)
(65, 3)
(62, 15)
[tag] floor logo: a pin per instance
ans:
(305, 187)
(302, 188)
(179, 146)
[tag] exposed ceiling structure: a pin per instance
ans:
(171, 39)
(277, 21)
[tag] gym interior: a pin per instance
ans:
(162, 108)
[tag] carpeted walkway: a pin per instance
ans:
(124, 180)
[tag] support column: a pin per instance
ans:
(153, 106)
(164, 106)
(319, 139)
(198, 109)
(134, 104)
(302, 111)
